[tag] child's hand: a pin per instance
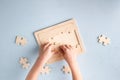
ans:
(69, 53)
(46, 52)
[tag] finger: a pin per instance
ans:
(43, 45)
(46, 46)
(63, 47)
(60, 49)
(49, 46)
(55, 51)
(70, 46)
(67, 46)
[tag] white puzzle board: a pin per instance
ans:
(62, 33)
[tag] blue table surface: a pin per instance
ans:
(94, 17)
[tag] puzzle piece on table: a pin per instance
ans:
(26, 66)
(21, 40)
(104, 40)
(66, 69)
(24, 62)
(45, 70)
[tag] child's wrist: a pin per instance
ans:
(41, 60)
(72, 61)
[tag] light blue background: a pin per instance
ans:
(94, 17)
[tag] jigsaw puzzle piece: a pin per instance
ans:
(21, 40)
(66, 69)
(104, 40)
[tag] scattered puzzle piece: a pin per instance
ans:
(66, 69)
(24, 62)
(45, 70)
(104, 40)
(20, 40)
(26, 66)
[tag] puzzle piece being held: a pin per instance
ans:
(20, 40)
(104, 40)
(24, 62)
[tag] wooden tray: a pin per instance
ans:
(62, 33)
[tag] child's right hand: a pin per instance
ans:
(69, 53)
(46, 52)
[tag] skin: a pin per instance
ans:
(69, 54)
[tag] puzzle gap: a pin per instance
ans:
(54, 43)
(51, 37)
(69, 32)
(61, 32)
